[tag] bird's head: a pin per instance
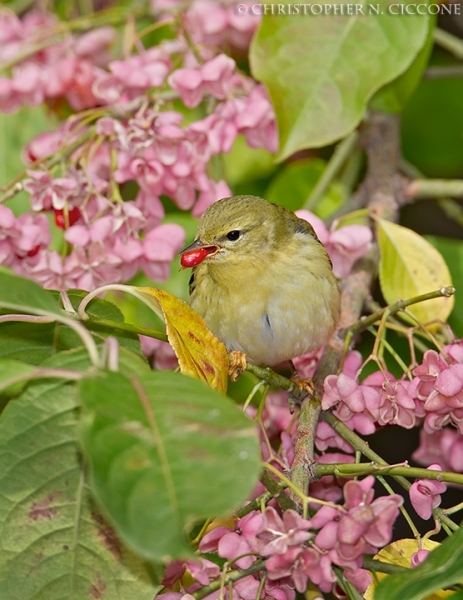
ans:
(235, 228)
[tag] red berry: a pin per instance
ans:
(196, 256)
(60, 219)
(34, 250)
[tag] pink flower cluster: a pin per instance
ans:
(344, 245)
(214, 23)
(107, 239)
(435, 394)
(425, 494)
(444, 447)
(298, 550)
(361, 525)
(65, 68)
(22, 237)
(440, 388)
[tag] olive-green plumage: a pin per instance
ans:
(267, 289)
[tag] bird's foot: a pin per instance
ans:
(238, 364)
(304, 385)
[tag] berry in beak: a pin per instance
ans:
(194, 254)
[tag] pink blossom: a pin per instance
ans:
(202, 570)
(326, 437)
(100, 265)
(206, 22)
(234, 544)
(98, 231)
(425, 494)
(397, 403)
(48, 192)
(216, 75)
(441, 388)
(133, 76)
(216, 191)
(305, 365)
(146, 170)
(350, 398)
(161, 353)
(32, 234)
(189, 85)
(257, 121)
(361, 526)
(418, 558)
(151, 208)
(159, 248)
(11, 33)
(93, 45)
(278, 533)
(360, 578)
(241, 27)
(344, 245)
(52, 271)
(276, 416)
(47, 143)
(444, 447)
(455, 351)
(79, 89)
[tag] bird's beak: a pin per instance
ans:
(195, 253)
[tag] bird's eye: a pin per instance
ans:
(233, 235)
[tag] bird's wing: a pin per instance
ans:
(191, 283)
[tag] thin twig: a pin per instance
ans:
(372, 468)
(342, 152)
(392, 309)
(444, 71)
(259, 565)
(449, 42)
(432, 188)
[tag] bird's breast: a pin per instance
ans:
(272, 311)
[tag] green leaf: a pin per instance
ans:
(54, 542)
(442, 568)
(165, 450)
(410, 266)
(394, 96)
(431, 128)
(321, 69)
(294, 183)
(24, 295)
(16, 130)
(243, 164)
(14, 373)
(33, 343)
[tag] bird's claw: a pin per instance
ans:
(304, 385)
(238, 364)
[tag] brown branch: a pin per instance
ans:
(382, 193)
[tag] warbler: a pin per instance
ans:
(262, 280)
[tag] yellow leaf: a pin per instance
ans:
(200, 354)
(221, 522)
(400, 553)
(411, 266)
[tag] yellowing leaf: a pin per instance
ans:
(221, 522)
(400, 553)
(200, 354)
(411, 266)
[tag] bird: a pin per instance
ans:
(261, 280)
